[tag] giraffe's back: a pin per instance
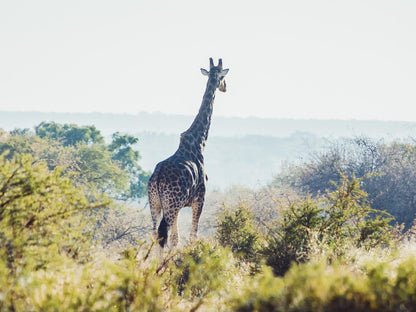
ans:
(177, 178)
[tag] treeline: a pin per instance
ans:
(81, 151)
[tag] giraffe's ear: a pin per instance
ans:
(224, 72)
(204, 72)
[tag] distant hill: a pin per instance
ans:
(221, 126)
(247, 151)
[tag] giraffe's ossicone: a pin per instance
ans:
(180, 180)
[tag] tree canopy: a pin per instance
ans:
(81, 150)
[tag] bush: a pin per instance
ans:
(336, 220)
(41, 221)
(318, 287)
(118, 227)
(389, 170)
(237, 230)
(47, 261)
(99, 285)
(289, 240)
(201, 272)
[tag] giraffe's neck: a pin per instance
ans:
(193, 140)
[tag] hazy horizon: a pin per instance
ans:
(193, 114)
(239, 150)
(227, 126)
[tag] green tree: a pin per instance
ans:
(16, 142)
(97, 169)
(127, 158)
(121, 148)
(69, 134)
(83, 154)
(41, 220)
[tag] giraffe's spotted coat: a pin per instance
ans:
(180, 180)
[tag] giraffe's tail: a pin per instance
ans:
(162, 233)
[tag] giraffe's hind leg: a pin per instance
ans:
(171, 209)
(175, 236)
(155, 208)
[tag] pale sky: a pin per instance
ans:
(287, 59)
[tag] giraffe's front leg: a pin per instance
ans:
(196, 213)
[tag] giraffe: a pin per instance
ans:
(180, 180)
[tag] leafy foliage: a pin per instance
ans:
(69, 134)
(100, 171)
(83, 154)
(237, 230)
(389, 170)
(340, 217)
(99, 285)
(127, 158)
(40, 219)
(317, 287)
(201, 271)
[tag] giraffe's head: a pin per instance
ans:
(217, 73)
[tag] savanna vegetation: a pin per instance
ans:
(387, 172)
(70, 240)
(85, 157)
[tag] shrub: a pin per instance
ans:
(41, 221)
(289, 239)
(237, 230)
(389, 168)
(318, 287)
(128, 284)
(118, 227)
(201, 272)
(340, 217)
